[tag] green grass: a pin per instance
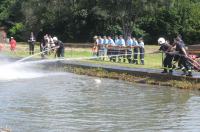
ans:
(151, 61)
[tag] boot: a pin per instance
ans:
(184, 72)
(129, 60)
(189, 74)
(164, 71)
(170, 72)
(142, 62)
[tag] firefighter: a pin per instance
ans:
(183, 57)
(43, 47)
(31, 42)
(60, 47)
(167, 49)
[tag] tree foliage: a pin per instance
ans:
(79, 20)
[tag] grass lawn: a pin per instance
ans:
(152, 60)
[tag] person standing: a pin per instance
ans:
(129, 43)
(52, 45)
(141, 48)
(100, 47)
(135, 56)
(122, 44)
(105, 44)
(44, 47)
(95, 46)
(31, 42)
(13, 44)
(117, 50)
(60, 47)
(111, 51)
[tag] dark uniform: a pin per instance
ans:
(60, 50)
(168, 58)
(31, 42)
(43, 47)
(183, 58)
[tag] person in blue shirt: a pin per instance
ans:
(135, 55)
(116, 40)
(129, 43)
(141, 48)
(100, 47)
(121, 44)
(105, 44)
(117, 51)
(111, 53)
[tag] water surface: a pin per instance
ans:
(68, 102)
(36, 100)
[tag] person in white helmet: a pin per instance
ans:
(166, 48)
(60, 47)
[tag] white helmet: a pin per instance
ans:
(55, 39)
(95, 37)
(161, 41)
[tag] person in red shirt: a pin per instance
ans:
(1, 46)
(12, 44)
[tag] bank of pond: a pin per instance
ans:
(135, 75)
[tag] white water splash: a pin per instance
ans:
(22, 70)
(17, 71)
(97, 81)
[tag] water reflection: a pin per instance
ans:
(69, 102)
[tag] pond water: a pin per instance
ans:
(58, 102)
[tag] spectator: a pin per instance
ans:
(135, 55)
(12, 44)
(95, 46)
(122, 52)
(129, 43)
(141, 48)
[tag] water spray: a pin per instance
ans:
(26, 58)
